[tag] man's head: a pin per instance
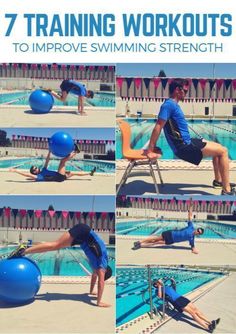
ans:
(178, 89)
(90, 94)
(108, 273)
(34, 170)
(199, 231)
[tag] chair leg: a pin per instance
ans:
(125, 176)
(159, 173)
(154, 177)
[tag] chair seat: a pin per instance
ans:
(137, 154)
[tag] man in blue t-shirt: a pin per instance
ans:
(173, 236)
(93, 247)
(183, 304)
(47, 175)
(171, 118)
(76, 88)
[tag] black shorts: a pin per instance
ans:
(167, 236)
(192, 152)
(55, 178)
(80, 233)
(180, 303)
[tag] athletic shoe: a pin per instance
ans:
(211, 328)
(137, 245)
(215, 322)
(18, 252)
(76, 148)
(218, 185)
(93, 171)
(230, 193)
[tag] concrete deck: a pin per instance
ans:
(21, 116)
(61, 308)
(219, 302)
(179, 178)
(12, 183)
(210, 253)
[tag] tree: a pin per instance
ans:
(4, 141)
(162, 74)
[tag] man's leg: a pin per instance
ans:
(199, 313)
(153, 240)
(62, 165)
(221, 163)
(201, 322)
(64, 241)
(71, 174)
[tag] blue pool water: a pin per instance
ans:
(100, 99)
(80, 165)
(65, 262)
(212, 230)
(223, 132)
(132, 283)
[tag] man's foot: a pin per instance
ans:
(76, 148)
(218, 185)
(93, 171)
(137, 245)
(18, 252)
(214, 323)
(211, 328)
(230, 193)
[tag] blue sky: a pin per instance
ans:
(76, 133)
(178, 70)
(70, 203)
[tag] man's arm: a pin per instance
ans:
(154, 138)
(29, 175)
(81, 104)
(190, 211)
(93, 282)
(101, 283)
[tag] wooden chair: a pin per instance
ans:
(135, 157)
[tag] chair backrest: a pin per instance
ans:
(126, 135)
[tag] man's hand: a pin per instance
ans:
(102, 304)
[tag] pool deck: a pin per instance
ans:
(61, 308)
(179, 177)
(210, 253)
(12, 183)
(18, 116)
(207, 298)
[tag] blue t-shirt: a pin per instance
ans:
(73, 87)
(45, 172)
(176, 127)
(96, 262)
(185, 234)
(170, 293)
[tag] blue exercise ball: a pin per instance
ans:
(61, 144)
(41, 101)
(20, 280)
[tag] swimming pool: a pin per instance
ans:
(80, 165)
(223, 132)
(132, 284)
(64, 262)
(212, 230)
(101, 99)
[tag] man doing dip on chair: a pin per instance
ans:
(45, 174)
(171, 119)
(93, 247)
(173, 236)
